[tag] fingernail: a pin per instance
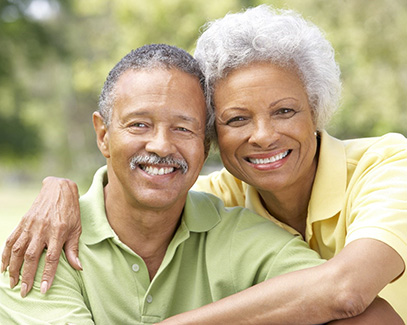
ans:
(44, 287)
(79, 263)
(24, 290)
(13, 282)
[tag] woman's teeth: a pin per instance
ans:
(269, 160)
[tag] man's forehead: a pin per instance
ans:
(145, 80)
(142, 90)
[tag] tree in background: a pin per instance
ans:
(54, 56)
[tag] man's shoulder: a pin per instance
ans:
(232, 220)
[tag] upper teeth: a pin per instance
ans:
(269, 160)
(158, 171)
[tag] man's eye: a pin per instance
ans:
(182, 129)
(138, 125)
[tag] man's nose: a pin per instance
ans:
(161, 143)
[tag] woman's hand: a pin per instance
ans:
(52, 222)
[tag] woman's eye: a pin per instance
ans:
(236, 121)
(285, 112)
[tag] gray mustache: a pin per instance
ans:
(153, 159)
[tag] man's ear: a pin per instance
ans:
(102, 134)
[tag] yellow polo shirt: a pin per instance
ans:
(360, 191)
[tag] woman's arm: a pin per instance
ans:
(342, 287)
(53, 221)
(378, 313)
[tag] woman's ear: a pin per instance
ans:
(102, 134)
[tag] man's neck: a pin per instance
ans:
(147, 232)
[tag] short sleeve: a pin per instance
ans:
(379, 197)
(63, 303)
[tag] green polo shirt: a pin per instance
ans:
(215, 252)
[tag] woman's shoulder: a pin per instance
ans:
(384, 146)
(394, 140)
(224, 185)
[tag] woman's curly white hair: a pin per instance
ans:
(281, 37)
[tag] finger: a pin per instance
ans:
(5, 256)
(72, 250)
(31, 260)
(51, 263)
(17, 258)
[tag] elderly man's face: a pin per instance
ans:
(157, 114)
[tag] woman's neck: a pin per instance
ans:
(290, 205)
(289, 209)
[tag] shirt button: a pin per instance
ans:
(135, 267)
(149, 299)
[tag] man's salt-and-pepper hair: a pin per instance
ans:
(149, 57)
(281, 37)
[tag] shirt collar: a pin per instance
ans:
(200, 213)
(329, 186)
(94, 221)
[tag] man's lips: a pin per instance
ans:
(268, 160)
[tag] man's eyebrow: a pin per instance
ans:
(187, 118)
(137, 113)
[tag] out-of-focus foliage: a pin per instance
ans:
(55, 55)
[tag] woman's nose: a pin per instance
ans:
(263, 134)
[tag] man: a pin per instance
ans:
(150, 248)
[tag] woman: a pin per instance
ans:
(273, 84)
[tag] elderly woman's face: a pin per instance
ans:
(265, 127)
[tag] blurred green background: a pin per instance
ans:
(55, 55)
